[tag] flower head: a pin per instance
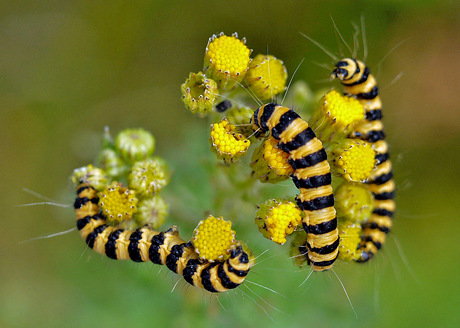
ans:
(228, 144)
(277, 219)
(152, 211)
(349, 240)
(112, 163)
(266, 76)
(353, 202)
(117, 203)
(94, 176)
(149, 176)
(353, 159)
(226, 59)
(270, 163)
(214, 239)
(241, 117)
(199, 93)
(336, 115)
(135, 144)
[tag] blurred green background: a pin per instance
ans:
(69, 68)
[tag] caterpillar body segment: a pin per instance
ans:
(358, 82)
(312, 175)
(164, 248)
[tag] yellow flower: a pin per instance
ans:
(353, 159)
(336, 116)
(226, 60)
(277, 219)
(228, 144)
(214, 239)
(269, 163)
(117, 203)
(266, 76)
(349, 240)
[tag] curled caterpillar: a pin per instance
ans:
(312, 175)
(358, 82)
(165, 248)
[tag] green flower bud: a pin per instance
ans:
(95, 176)
(135, 144)
(199, 94)
(112, 163)
(149, 176)
(152, 211)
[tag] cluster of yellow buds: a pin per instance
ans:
(129, 179)
(230, 79)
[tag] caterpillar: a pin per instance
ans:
(312, 176)
(164, 248)
(358, 82)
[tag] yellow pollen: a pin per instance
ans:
(228, 144)
(276, 158)
(343, 110)
(355, 160)
(117, 203)
(277, 219)
(349, 240)
(266, 76)
(214, 239)
(226, 58)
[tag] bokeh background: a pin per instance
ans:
(69, 68)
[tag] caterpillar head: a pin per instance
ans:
(243, 256)
(260, 118)
(346, 69)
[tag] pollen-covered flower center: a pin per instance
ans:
(117, 203)
(278, 218)
(349, 240)
(213, 239)
(228, 54)
(356, 160)
(276, 158)
(342, 109)
(228, 143)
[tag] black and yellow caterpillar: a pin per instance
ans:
(164, 248)
(312, 175)
(358, 82)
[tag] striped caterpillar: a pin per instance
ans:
(358, 82)
(145, 244)
(312, 175)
